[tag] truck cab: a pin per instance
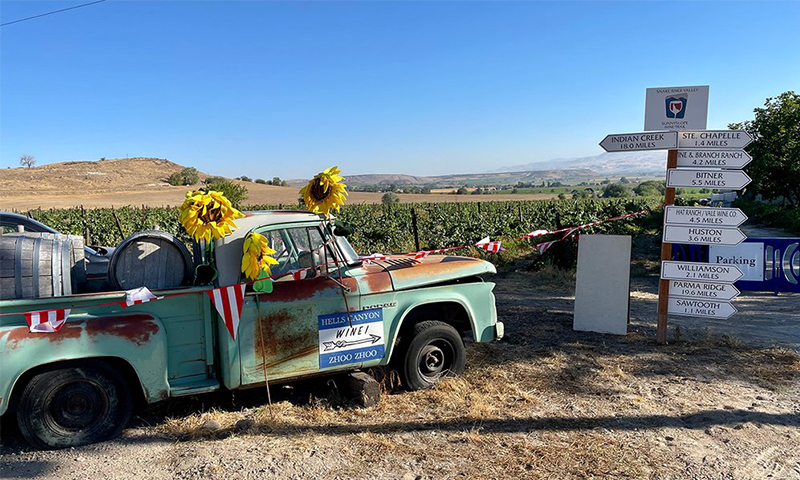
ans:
(329, 311)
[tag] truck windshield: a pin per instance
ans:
(350, 255)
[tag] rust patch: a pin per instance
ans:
(378, 282)
(289, 291)
(134, 328)
(18, 334)
(285, 338)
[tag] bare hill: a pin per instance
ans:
(142, 181)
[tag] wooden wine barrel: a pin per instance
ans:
(37, 265)
(151, 258)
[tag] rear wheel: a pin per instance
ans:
(434, 351)
(74, 406)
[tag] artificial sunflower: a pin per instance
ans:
(325, 192)
(207, 215)
(256, 255)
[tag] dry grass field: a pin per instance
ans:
(142, 181)
(545, 402)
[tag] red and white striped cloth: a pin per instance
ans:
(137, 296)
(372, 258)
(228, 302)
(542, 247)
(47, 321)
(490, 246)
(425, 253)
(302, 274)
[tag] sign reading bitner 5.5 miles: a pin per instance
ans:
(707, 178)
(628, 142)
(708, 272)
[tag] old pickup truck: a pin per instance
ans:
(80, 384)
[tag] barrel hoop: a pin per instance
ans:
(54, 264)
(37, 244)
(18, 270)
(66, 265)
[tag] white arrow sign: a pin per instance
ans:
(628, 142)
(708, 272)
(688, 307)
(710, 216)
(709, 291)
(731, 159)
(707, 178)
(702, 235)
(714, 139)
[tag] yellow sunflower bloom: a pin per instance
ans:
(325, 192)
(207, 215)
(256, 255)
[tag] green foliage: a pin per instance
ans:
(772, 215)
(616, 190)
(775, 168)
(650, 188)
(390, 198)
(211, 180)
(245, 178)
(262, 181)
(388, 228)
(234, 192)
(187, 176)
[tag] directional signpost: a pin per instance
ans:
(714, 139)
(689, 307)
(707, 178)
(696, 159)
(701, 235)
(629, 142)
(730, 159)
(718, 217)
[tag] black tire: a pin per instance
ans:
(74, 406)
(433, 351)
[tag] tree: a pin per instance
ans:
(650, 188)
(234, 192)
(277, 181)
(261, 181)
(187, 176)
(27, 160)
(615, 190)
(245, 178)
(775, 168)
(390, 198)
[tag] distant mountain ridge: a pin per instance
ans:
(605, 164)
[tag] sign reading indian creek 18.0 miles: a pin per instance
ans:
(628, 142)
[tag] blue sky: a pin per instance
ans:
(288, 88)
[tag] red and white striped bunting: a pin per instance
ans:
(47, 321)
(490, 246)
(228, 302)
(542, 247)
(373, 258)
(137, 296)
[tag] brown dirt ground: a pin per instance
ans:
(545, 402)
(142, 181)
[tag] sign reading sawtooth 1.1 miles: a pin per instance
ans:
(690, 307)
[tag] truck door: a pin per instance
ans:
(279, 330)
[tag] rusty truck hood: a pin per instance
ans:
(402, 272)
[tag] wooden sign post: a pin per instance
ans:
(666, 254)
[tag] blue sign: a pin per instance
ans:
(780, 263)
(348, 339)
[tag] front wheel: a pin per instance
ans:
(434, 351)
(74, 406)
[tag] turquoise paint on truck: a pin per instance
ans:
(178, 346)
